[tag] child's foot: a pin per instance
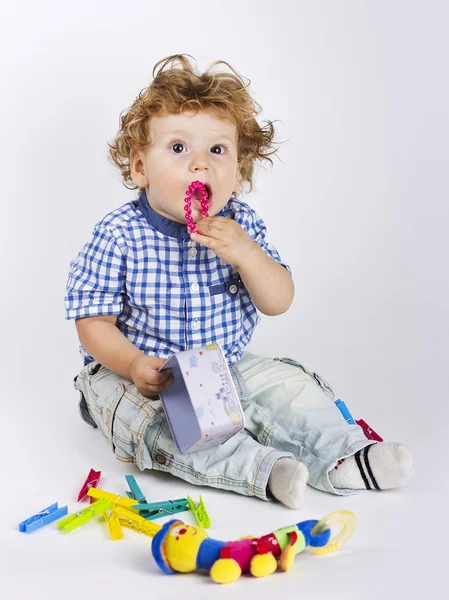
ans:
(287, 481)
(380, 466)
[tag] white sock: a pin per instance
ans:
(379, 466)
(288, 480)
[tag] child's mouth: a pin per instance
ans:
(196, 198)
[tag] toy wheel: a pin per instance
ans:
(343, 517)
(225, 570)
(263, 565)
(287, 558)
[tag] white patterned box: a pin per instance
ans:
(202, 406)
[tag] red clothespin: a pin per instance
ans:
(92, 481)
(368, 431)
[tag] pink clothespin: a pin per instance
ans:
(92, 481)
(368, 431)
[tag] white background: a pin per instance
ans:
(357, 205)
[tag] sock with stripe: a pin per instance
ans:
(379, 466)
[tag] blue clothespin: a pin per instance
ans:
(136, 494)
(345, 412)
(44, 517)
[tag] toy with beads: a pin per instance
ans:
(196, 185)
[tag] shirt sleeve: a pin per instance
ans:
(255, 227)
(96, 281)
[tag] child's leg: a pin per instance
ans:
(293, 410)
(138, 432)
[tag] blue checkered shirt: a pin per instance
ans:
(169, 293)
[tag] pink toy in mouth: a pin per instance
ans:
(204, 195)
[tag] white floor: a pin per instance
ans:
(399, 545)
(359, 90)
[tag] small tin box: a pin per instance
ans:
(202, 406)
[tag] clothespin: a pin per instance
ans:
(43, 517)
(344, 411)
(157, 509)
(199, 512)
(115, 499)
(131, 519)
(92, 481)
(79, 518)
(136, 494)
(369, 431)
(114, 526)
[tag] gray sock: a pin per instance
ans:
(288, 480)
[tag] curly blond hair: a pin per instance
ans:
(181, 88)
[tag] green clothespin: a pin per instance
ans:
(136, 494)
(82, 516)
(161, 509)
(199, 512)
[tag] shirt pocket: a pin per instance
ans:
(232, 287)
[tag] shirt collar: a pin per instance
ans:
(164, 224)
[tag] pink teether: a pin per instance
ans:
(196, 185)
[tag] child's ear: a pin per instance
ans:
(137, 168)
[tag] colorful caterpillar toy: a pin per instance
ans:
(182, 548)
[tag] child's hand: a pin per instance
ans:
(226, 238)
(145, 375)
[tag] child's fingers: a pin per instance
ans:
(158, 380)
(153, 375)
(166, 384)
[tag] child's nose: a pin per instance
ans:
(199, 161)
(200, 167)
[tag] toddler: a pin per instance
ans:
(143, 288)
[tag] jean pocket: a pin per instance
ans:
(85, 412)
(126, 417)
(83, 406)
(317, 378)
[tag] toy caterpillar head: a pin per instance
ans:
(175, 547)
(178, 547)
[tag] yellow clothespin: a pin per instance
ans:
(133, 520)
(114, 498)
(114, 526)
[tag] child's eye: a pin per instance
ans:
(177, 148)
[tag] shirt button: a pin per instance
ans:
(195, 287)
(193, 252)
(195, 325)
(233, 289)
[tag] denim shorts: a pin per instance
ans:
(289, 412)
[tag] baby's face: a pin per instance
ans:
(184, 148)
